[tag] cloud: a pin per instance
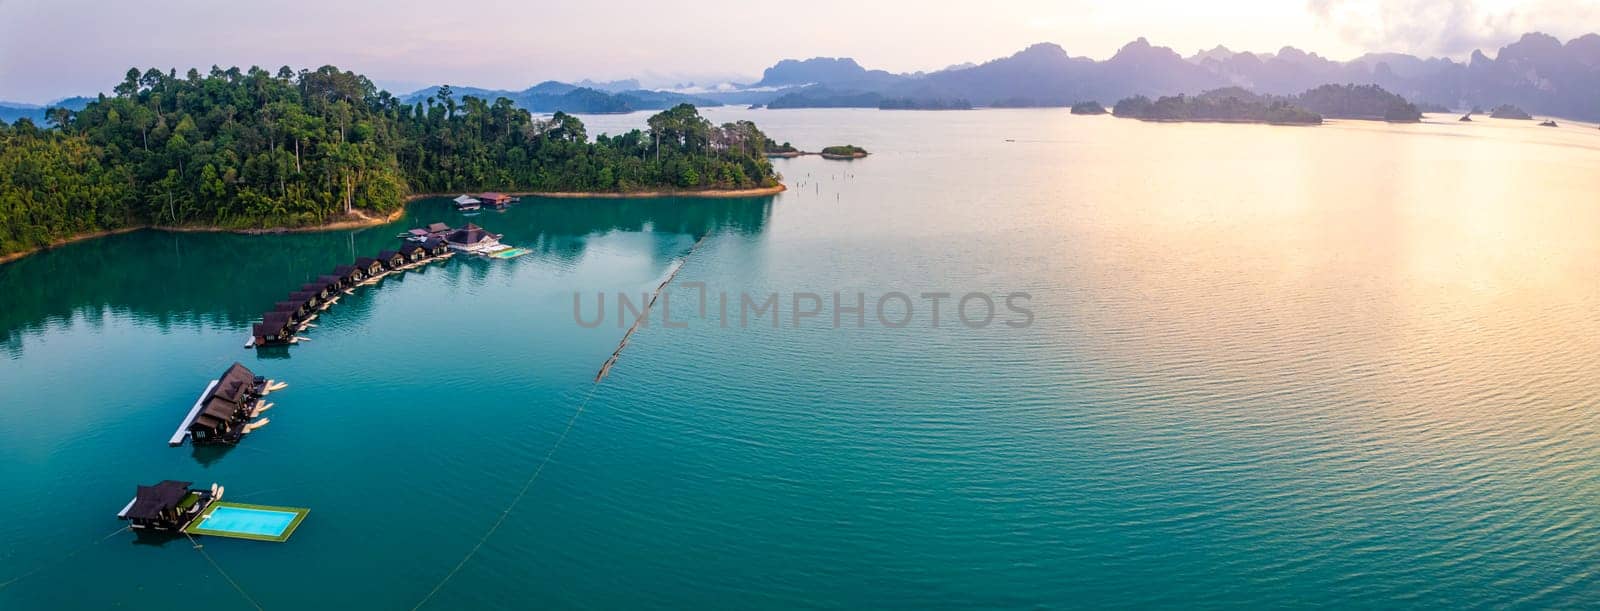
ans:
(1450, 27)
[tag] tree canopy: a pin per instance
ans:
(251, 148)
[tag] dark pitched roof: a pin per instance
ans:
(150, 501)
(237, 379)
(286, 306)
(433, 243)
(366, 262)
(275, 321)
(343, 270)
(385, 255)
(220, 408)
(306, 295)
(330, 280)
(471, 234)
(494, 197)
(237, 372)
(406, 248)
(438, 228)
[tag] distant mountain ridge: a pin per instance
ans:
(11, 111)
(552, 96)
(1537, 72)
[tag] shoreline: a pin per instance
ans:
(703, 193)
(7, 258)
(363, 219)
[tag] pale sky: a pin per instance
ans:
(54, 48)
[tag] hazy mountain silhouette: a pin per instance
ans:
(11, 111)
(551, 96)
(1538, 73)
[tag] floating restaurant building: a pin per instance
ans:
(467, 202)
(474, 239)
(495, 200)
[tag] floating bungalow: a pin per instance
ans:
(221, 416)
(273, 330)
(467, 202)
(320, 289)
(476, 240)
(498, 201)
(297, 309)
(350, 275)
(370, 266)
(168, 506)
(332, 283)
(433, 230)
(436, 247)
(309, 300)
(391, 260)
(412, 252)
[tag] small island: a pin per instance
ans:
(1228, 105)
(848, 151)
(1239, 105)
(1548, 123)
(1507, 111)
(1088, 108)
(771, 148)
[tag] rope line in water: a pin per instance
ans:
(550, 455)
(224, 574)
(527, 485)
(36, 570)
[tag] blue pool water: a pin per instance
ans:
(260, 522)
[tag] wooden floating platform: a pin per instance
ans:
(194, 412)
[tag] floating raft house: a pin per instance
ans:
(167, 506)
(221, 416)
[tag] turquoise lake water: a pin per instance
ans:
(1352, 365)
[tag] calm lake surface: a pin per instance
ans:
(1351, 365)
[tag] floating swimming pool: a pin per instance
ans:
(510, 253)
(256, 522)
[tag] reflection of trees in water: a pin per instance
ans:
(181, 279)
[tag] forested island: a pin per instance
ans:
(1088, 108)
(1237, 105)
(845, 151)
(1507, 111)
(1222, 105)
(241, 149)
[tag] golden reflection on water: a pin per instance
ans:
(1417, 267)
